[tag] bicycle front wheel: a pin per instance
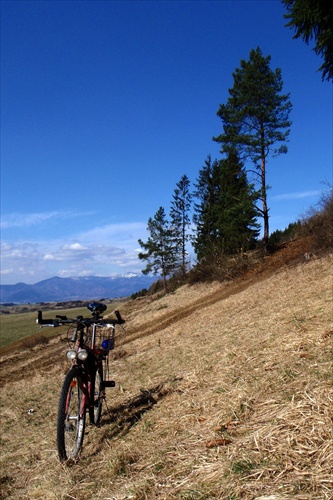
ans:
(97, 392)
(71, 416)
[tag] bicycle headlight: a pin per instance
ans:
(71, 354)
(82, 355)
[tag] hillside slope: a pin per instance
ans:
(223, 391)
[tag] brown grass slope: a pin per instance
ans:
(223, 391)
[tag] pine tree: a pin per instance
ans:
(313, 20)
(180, 220)
(236, 215)
(256, 118)
(226, 216)
(159, 249)
(204, 210)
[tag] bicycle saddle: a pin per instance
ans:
(96, 307)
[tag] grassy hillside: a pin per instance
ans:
(15, 327)
(223, 391)
(18, 326)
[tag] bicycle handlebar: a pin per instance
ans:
(63, 320)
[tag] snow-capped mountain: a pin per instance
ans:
(76, 288)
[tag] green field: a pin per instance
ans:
(17, 326)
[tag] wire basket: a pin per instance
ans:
(109, 337)
(106, 337)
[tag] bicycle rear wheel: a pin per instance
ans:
(97, 390)
(71, 416)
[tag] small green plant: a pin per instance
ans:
(119, 467)
(219, 390)
(243, 466)
(196, 494)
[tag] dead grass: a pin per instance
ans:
(223, 391)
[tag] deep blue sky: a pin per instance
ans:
(106, 104)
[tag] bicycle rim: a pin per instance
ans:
(71, 416)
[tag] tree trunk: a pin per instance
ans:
(264, 202)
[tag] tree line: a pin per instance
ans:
(221, 215)
(223, 219)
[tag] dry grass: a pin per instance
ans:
(223, 391)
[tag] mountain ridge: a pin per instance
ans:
(75, 288)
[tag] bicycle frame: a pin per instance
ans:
(85, 378)
(88, 367)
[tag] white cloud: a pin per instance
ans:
(295, 196)
(67, 273)
(77, 246)
(17, 251)
(33, 219)
(88, 253)
(123, 235)
(6, 271)
(102, 251)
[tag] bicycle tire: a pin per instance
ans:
(71, 416)
(95, 408)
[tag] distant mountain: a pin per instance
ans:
(75, 288)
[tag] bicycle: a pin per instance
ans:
(84, 386)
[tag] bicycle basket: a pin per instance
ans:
(105, 338)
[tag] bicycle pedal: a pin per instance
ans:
(108, 383)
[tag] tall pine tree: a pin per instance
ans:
(255, 119)
(180, 220)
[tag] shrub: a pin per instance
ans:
(223, 268)
(318, 222)
(278, 237)
(140, 293)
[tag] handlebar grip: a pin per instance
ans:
(39, 318)
(119, 318)
(41, 321)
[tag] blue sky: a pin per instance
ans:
(105, 105)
